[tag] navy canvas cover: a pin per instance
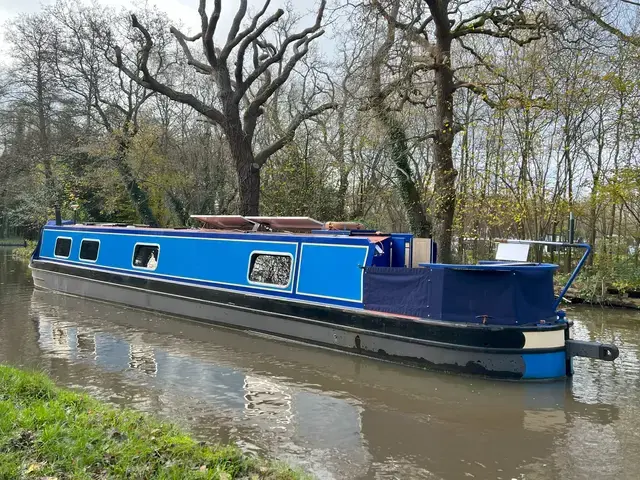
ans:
(458, 293)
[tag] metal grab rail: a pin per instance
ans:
(576, 271)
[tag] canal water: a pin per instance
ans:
(336, 416)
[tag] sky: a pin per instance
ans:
(184, 12)
(175, 9)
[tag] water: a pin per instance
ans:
(337, 416)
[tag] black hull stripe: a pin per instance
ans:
(481, 338)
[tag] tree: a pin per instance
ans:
(110, 99)
(599, 14)
(241, 94)
(434, 27)
(395, 132)
(34, 86)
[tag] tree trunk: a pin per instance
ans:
(569, 166)
(248, 175)
(179, 210)
(343, 183)
(43, 135)
(445, 173)
(241, 149)
(593, 220)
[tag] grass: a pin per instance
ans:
(47, 432)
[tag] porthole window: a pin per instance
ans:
(270, 269)
(146, 256)
(89, 250)
(63, 247)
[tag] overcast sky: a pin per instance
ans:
(183, 11)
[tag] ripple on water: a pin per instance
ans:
(615, 382)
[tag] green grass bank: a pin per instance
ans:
(47, 432)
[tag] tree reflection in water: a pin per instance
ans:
(270, 268)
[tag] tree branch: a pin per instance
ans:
(593, 16)
(506, 21)
(252, 36)
(479, 90)
(268, 89)
(302, 40)
(262, 157)
(148, 81)
(393, 85)
(407, 27)
(235, 26)
(232, 43)
(182, 40)
(204, 20)
(207, 39)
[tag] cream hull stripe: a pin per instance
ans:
(550, 339)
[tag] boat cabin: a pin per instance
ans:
(293, 257)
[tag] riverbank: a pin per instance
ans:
(50, 432)
(13, 242)
(576, 296)
(24, 253)
(615, 290)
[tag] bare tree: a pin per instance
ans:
(34, 87)
(241, 94)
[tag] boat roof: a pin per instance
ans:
(280, 226)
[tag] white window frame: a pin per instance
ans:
(133, 255)
(56, 244)
(80, 251)
(279, 254)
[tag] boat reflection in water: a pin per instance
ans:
(264, 397)
(142, 357)
(335, 415)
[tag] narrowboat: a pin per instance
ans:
(333, 285)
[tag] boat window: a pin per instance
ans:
(270, 268)
(63, 247)
(89, 250)
(146, 256)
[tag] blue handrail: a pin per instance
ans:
(576, 271)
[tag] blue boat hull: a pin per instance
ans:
(505, 352)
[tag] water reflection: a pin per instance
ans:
(264, 397)
(411, 417)
(141, 357)
(338, 416)
(309, 420)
